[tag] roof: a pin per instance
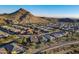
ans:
(3, 51)
(9, 47)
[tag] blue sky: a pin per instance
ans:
(45, 10)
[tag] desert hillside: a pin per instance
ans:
(21, 16)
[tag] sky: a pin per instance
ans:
(45, 10)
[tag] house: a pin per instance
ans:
(3, 51)
(13, 48)
(9, 48)
(34, 38)
(49, 37)
(17, 49)
(2, 36)
(30, 31)
(44, 39)
(58, 34)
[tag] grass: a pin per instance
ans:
(8, 39)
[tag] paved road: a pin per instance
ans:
(57, 46)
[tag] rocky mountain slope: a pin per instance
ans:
(21, 16)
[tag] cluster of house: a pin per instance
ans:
(8, 28)
(36, 34)
(25, 30)
(14, 30)
(70, 27)
(46, 37)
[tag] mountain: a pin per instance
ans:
(66, 20)
(21, 16)
(51, 19)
